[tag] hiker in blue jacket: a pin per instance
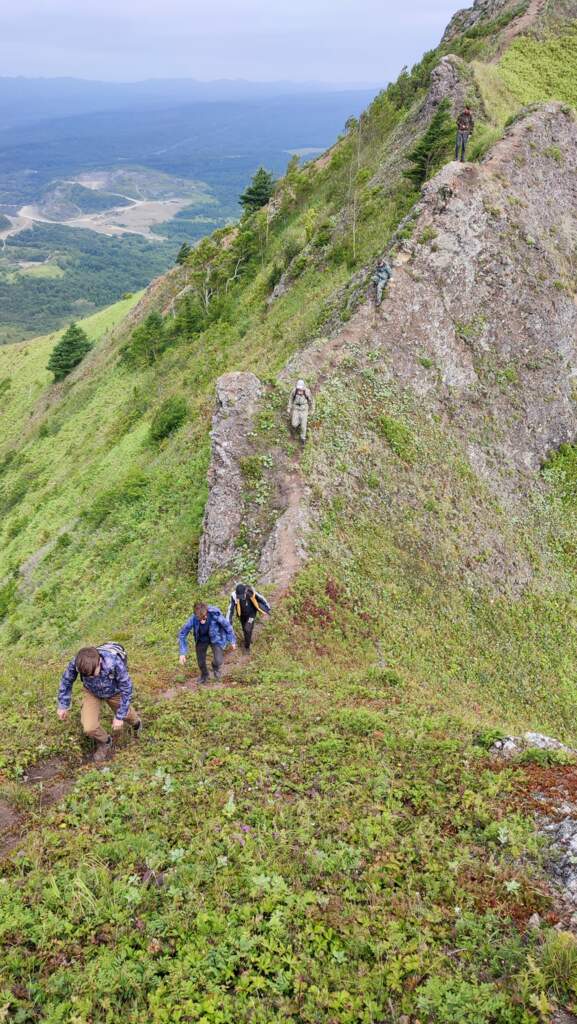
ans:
(104, 676)
(210, 629)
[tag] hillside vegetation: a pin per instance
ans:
(326, 838)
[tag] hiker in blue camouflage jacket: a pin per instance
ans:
(104, 675)
(210, 629)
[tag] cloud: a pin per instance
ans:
(342, 40)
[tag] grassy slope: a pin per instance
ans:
(330, 833)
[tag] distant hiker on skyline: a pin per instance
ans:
(301, 405)
(381, 278)
(465, 125)
(246, 602)
(104, 675)
(210, 629)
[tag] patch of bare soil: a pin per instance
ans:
(53, 779)
(234, 661)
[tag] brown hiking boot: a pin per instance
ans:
(103, 751)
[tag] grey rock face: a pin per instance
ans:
(562, 837)
(558, 825)
(237, 397)
(447, 82)
(510, 746)
(480, 291)
(482, 10)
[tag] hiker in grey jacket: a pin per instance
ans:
(301, 404)
(381, 278)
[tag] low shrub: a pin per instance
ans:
(168, 418)
(558, 964)
(545, 758)
(7, 598)
(456, 1001)
(399, 437)
(128, 491)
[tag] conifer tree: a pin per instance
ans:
(183, 253)
(258, 192)
(191, 319)
(434, 148)
(147, 341)
(69, 352)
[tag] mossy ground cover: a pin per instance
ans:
(315, 842)
(319, 848)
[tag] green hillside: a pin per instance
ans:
(325, 839)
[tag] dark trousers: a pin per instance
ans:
(217, 660)
(247, 628)
(461, 147)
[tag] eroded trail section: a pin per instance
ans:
(51, 781)
(286, 548)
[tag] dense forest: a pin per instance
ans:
(86, 271)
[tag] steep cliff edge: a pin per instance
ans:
(479, 326)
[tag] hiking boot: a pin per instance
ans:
(203, 680)
(103, 751)
(137, 729)
(218, 677)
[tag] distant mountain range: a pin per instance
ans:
(27, 100)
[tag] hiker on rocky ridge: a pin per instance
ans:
(104, 675)
(246, 602)
(465, 125)
(210, 629)
(301, 405)
(381, 278)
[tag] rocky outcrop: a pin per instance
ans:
(448, 81)
(479, 326)
(553, 803)
(484, 291)
(482, 10)
(512, 746)
(237, 397)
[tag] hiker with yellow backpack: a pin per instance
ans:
(247, 603)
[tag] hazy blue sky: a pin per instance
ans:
(324, 40)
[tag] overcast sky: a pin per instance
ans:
(341, 41)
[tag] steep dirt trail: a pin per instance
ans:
(288, 546)
(520, 25)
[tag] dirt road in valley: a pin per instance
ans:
(136, 219)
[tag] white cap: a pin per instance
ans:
(301, 385)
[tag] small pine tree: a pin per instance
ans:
(147, 342)
(258, 192)
(434, 148)
(183, 253)
(69, 352)
(168, 417)
(191, 318)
